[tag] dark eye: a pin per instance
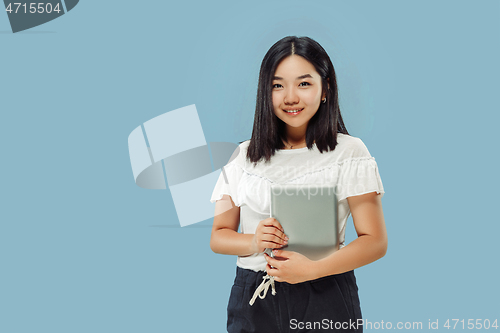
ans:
(277, 85)
(303, 84)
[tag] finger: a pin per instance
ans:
(273, 262)
(273, 230)
(272, 271)
(276, 232)
(282, 253)
(281, 231)
(271, 245)
(272, 222)
(264, 228)
(274, 239)
(279, 226)
(278, 279)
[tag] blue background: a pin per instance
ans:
(84, 249)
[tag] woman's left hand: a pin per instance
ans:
(291, 267)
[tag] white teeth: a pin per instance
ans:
(292, 111)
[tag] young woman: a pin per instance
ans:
(298, 137)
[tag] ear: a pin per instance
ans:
(323, 95)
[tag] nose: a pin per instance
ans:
(291, 97)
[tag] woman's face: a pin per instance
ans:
(296, 92)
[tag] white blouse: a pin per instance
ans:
(349, 166)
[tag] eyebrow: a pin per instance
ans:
(298, 78)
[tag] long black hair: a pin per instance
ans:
(269, 131)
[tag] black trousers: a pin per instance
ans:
(327, 304)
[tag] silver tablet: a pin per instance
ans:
(308, 214)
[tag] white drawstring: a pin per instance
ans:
(263, 287)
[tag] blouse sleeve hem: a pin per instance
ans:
(344, 197)
(228, 184)
(219, 196)
(359, 176)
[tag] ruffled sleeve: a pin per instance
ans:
(359, 173)
(229, 178)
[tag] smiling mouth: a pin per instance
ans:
(295, 111)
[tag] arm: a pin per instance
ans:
(371, 245)
(226, 239)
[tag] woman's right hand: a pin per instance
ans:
(268, 234)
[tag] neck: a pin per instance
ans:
(296, 136)
(295, 139)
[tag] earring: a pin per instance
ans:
(324, 100)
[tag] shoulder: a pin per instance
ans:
(244, 144)
(351, 146)
(239, 154)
